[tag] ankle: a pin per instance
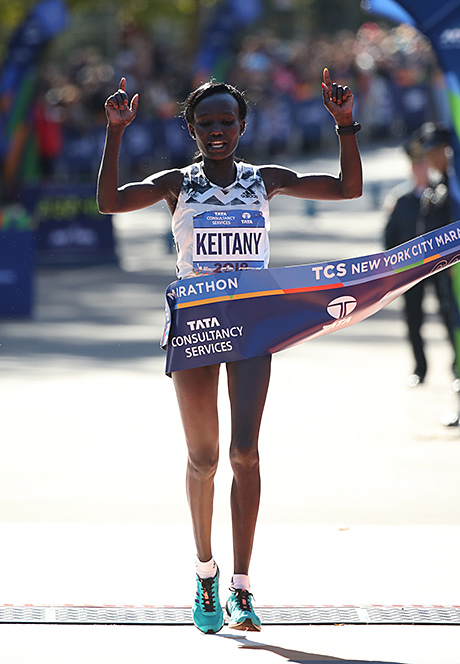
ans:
(207, 569)
(241, 581)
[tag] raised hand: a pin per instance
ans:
(117, 108)
(338, 100)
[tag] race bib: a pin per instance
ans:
(229, 240)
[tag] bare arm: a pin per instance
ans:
(110, 197)
(348, 183)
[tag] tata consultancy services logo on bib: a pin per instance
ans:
(342, 306)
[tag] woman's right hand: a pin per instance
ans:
(117, 108)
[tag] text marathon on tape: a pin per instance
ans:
(236, 315)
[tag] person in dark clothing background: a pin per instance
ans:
(415, 208)
(403, 206)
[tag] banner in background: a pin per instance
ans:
(388, 9)
(17, 261)
(18, 80)
(236, 315)
(70, 229)
(228, 17)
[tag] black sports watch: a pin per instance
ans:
(351, 129)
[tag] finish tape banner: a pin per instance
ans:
(237, 315)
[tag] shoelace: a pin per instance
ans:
(207, 596)
(243, 598)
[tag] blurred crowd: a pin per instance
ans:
(392, 71)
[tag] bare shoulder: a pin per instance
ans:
(169, 180)
(276, 178)
(164, 185)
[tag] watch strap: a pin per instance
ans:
(351, 129)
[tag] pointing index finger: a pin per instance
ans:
(122, 84)
(326, 77)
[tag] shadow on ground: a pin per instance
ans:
(295, 656)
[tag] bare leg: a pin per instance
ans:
(248, 382)
(196, 391)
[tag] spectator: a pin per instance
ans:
(416, 208)
(403, 208)
(436, 212)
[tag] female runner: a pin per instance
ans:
(215, 114)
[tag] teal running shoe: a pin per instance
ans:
(207, 612)
(240, 611)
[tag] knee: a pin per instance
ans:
(203, 465)
(244, 457)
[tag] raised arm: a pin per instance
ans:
(348, 183)
(136, 195)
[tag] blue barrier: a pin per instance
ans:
(17, 262)
(70, 230)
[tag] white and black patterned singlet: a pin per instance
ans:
(221, 229)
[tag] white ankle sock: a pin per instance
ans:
(206, 570)
(241, 581)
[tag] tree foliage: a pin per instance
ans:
(12, 13)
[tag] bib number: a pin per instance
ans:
(229, 240)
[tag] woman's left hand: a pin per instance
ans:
(338, 100)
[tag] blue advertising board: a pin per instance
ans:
(70, 229)
(17, 262)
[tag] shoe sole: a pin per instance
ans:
(246, 626)
(210, 630)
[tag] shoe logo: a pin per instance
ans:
(342, 306)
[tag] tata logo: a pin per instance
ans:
(341, 306)
(450, 38)
(203, 323)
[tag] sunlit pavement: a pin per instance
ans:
(360, 502)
